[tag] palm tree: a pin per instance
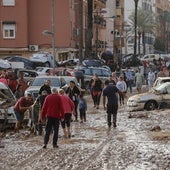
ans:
(145, 24)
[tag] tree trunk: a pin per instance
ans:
(139, 37)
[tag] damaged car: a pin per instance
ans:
(158, 97)
(7, 101)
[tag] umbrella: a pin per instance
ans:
(4, 64)
(107, 55)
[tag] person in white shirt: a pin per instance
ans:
(151, 78)
(121, 85)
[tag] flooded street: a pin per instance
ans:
(141, 141)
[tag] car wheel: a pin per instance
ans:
(151, 105)
(47, 64)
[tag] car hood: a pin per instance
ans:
(143, 96)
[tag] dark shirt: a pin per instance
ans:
(45, 87)
(73, 93)
(97, 85)
(110, 92)
(41, 100)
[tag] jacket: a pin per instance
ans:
(68, 104)
(52, 107)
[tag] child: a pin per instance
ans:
(82, 108)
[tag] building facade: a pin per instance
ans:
(23, 22)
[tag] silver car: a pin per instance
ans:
(151, 100)
(56, 81)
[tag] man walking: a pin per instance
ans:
(110, 91)
(54, 111)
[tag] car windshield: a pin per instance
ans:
(6, 96)
(161, 87)
(55, 82)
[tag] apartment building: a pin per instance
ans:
(99, 26)
(162, 13)
(23, 22)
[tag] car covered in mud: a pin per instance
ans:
(156, 98)
(160, 80)
(7, 101)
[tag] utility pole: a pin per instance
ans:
(80, 30)
(135, 40)
(53, 36)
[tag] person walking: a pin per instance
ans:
(82, 108)
(40, 101)
(73, 92)
(46, 87)
(96, 89)
(23, 104)
(68, 106)
(151, 78)
(121, 85)
(139, 79)
(110, 92)
(129, 79)
(53, 111)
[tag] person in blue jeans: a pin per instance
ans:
(82, 108)
(129, 79)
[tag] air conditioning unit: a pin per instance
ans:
(33, 48)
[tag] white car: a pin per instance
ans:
(160, 80)
(56, 81)
(43, 59)
(151, 100)
(150, 57)
(43, 70)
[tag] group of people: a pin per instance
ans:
(55, 107)
(15, 81)
(59, 107)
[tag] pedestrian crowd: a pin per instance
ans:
(64, 106)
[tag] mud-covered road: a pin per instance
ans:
(140, 142)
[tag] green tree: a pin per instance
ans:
(145, 24)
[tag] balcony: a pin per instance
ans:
(99, 20)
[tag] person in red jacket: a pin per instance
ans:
(68, 105)
(53, 111)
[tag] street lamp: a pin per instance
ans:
(135, 40)
(52, 33)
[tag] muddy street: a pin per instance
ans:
(141, 141)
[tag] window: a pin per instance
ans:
(8, 30)
(8, 2)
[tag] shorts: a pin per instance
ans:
(19, 116)
(139, 85)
